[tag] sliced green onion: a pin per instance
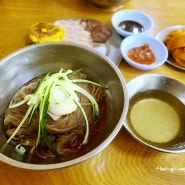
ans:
(40, 99)
(20, 149)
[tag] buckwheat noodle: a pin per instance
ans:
(66, 133)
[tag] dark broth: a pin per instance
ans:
(95, 130)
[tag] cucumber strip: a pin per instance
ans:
(40, 100)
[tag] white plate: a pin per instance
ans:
(161, 36)
(111, 48)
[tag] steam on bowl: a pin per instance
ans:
(32, 61)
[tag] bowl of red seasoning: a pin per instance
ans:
(143, 52)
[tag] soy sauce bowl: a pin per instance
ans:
(157, 47)
(133, 16)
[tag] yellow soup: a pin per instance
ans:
(156, 116)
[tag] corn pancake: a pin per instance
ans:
(46, 32)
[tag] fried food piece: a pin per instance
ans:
(175, 43)
(46, 32)
(179, 56)
(175, 39)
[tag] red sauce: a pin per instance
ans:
(142, 54)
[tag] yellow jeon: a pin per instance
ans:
(46, 32)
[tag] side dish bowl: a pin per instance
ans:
(161, 35)
(31, 61)
(131, 15)
(164, 32)
(157, 47)
(166, 91)
(113, 4)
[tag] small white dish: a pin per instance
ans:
(164, 32)
(131, 15)
(157, 47)
(162, 35)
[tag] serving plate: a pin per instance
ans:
(111, 48)
(161, 36)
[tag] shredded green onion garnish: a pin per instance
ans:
(55, 95)
(20, 149)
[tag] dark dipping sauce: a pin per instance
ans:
(131, 26)
(141, 54)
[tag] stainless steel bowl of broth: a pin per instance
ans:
(32, 61)
(156, 112)
(109, 4)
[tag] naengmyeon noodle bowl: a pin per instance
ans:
(31, 61)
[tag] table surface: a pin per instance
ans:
(124, 161)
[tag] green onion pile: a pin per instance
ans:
(55, 95)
